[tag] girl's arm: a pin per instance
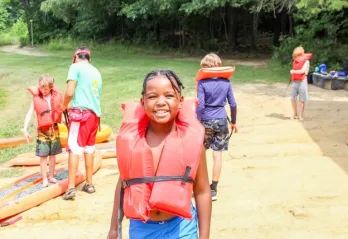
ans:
(27, 121)
(69, 92)
(304, 70)
(201, 101)
(202, 195)
(113, 232)
(233, 108)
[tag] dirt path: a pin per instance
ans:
(24, 51)
(285, 179)
(262, 62)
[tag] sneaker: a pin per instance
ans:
(214, 195)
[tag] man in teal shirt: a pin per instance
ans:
(84, 86)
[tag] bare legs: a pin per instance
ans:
(89, 167)
(302, 106)
(72, 169)
(43, 166)
(294, 108)
(73, 165)
(52, 166)
(217, 156)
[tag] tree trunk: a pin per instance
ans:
(276, 31)
(122, 29)
(158, 32)
(232, 27)
(211, 27)
(26, 3)
(255, 27)
(183, 37)
(283, 22)
(291, 26)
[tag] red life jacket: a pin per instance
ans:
(297, 64)
(224, 72)
(170, 188)
(46, 117)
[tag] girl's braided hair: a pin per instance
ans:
(171, 76)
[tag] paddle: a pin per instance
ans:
(65, 113)
(229, 121)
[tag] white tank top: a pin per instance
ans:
(48, 99)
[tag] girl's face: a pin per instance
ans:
(161, 101)
(45, 90)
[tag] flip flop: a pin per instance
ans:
(52, 180)
(45, 185)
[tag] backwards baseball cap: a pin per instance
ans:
(81, 50)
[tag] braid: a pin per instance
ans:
(178, 81)
(169, 74)
(148, 77)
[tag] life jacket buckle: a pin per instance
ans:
(124, 184)
(186, 175)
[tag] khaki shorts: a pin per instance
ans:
(300, 89)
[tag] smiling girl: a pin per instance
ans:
(161, 161)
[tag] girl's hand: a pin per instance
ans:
(26, 134)
(63, 107)
(113, 234)
(234, 128)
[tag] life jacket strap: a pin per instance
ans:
(184, 179)
(44, 112)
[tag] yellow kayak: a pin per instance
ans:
(102, 135)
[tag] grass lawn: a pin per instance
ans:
(122, 73)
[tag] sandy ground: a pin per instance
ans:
(282, 179)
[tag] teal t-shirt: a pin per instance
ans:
(88, 86)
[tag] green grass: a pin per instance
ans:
(122, 73)
(8, 39)
(11, 173)
(2, 99)
(10, 153)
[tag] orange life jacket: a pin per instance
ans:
(224, 72)
(170, 188)
(297, 64)
(46, 117)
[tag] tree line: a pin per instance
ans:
(321, 26)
